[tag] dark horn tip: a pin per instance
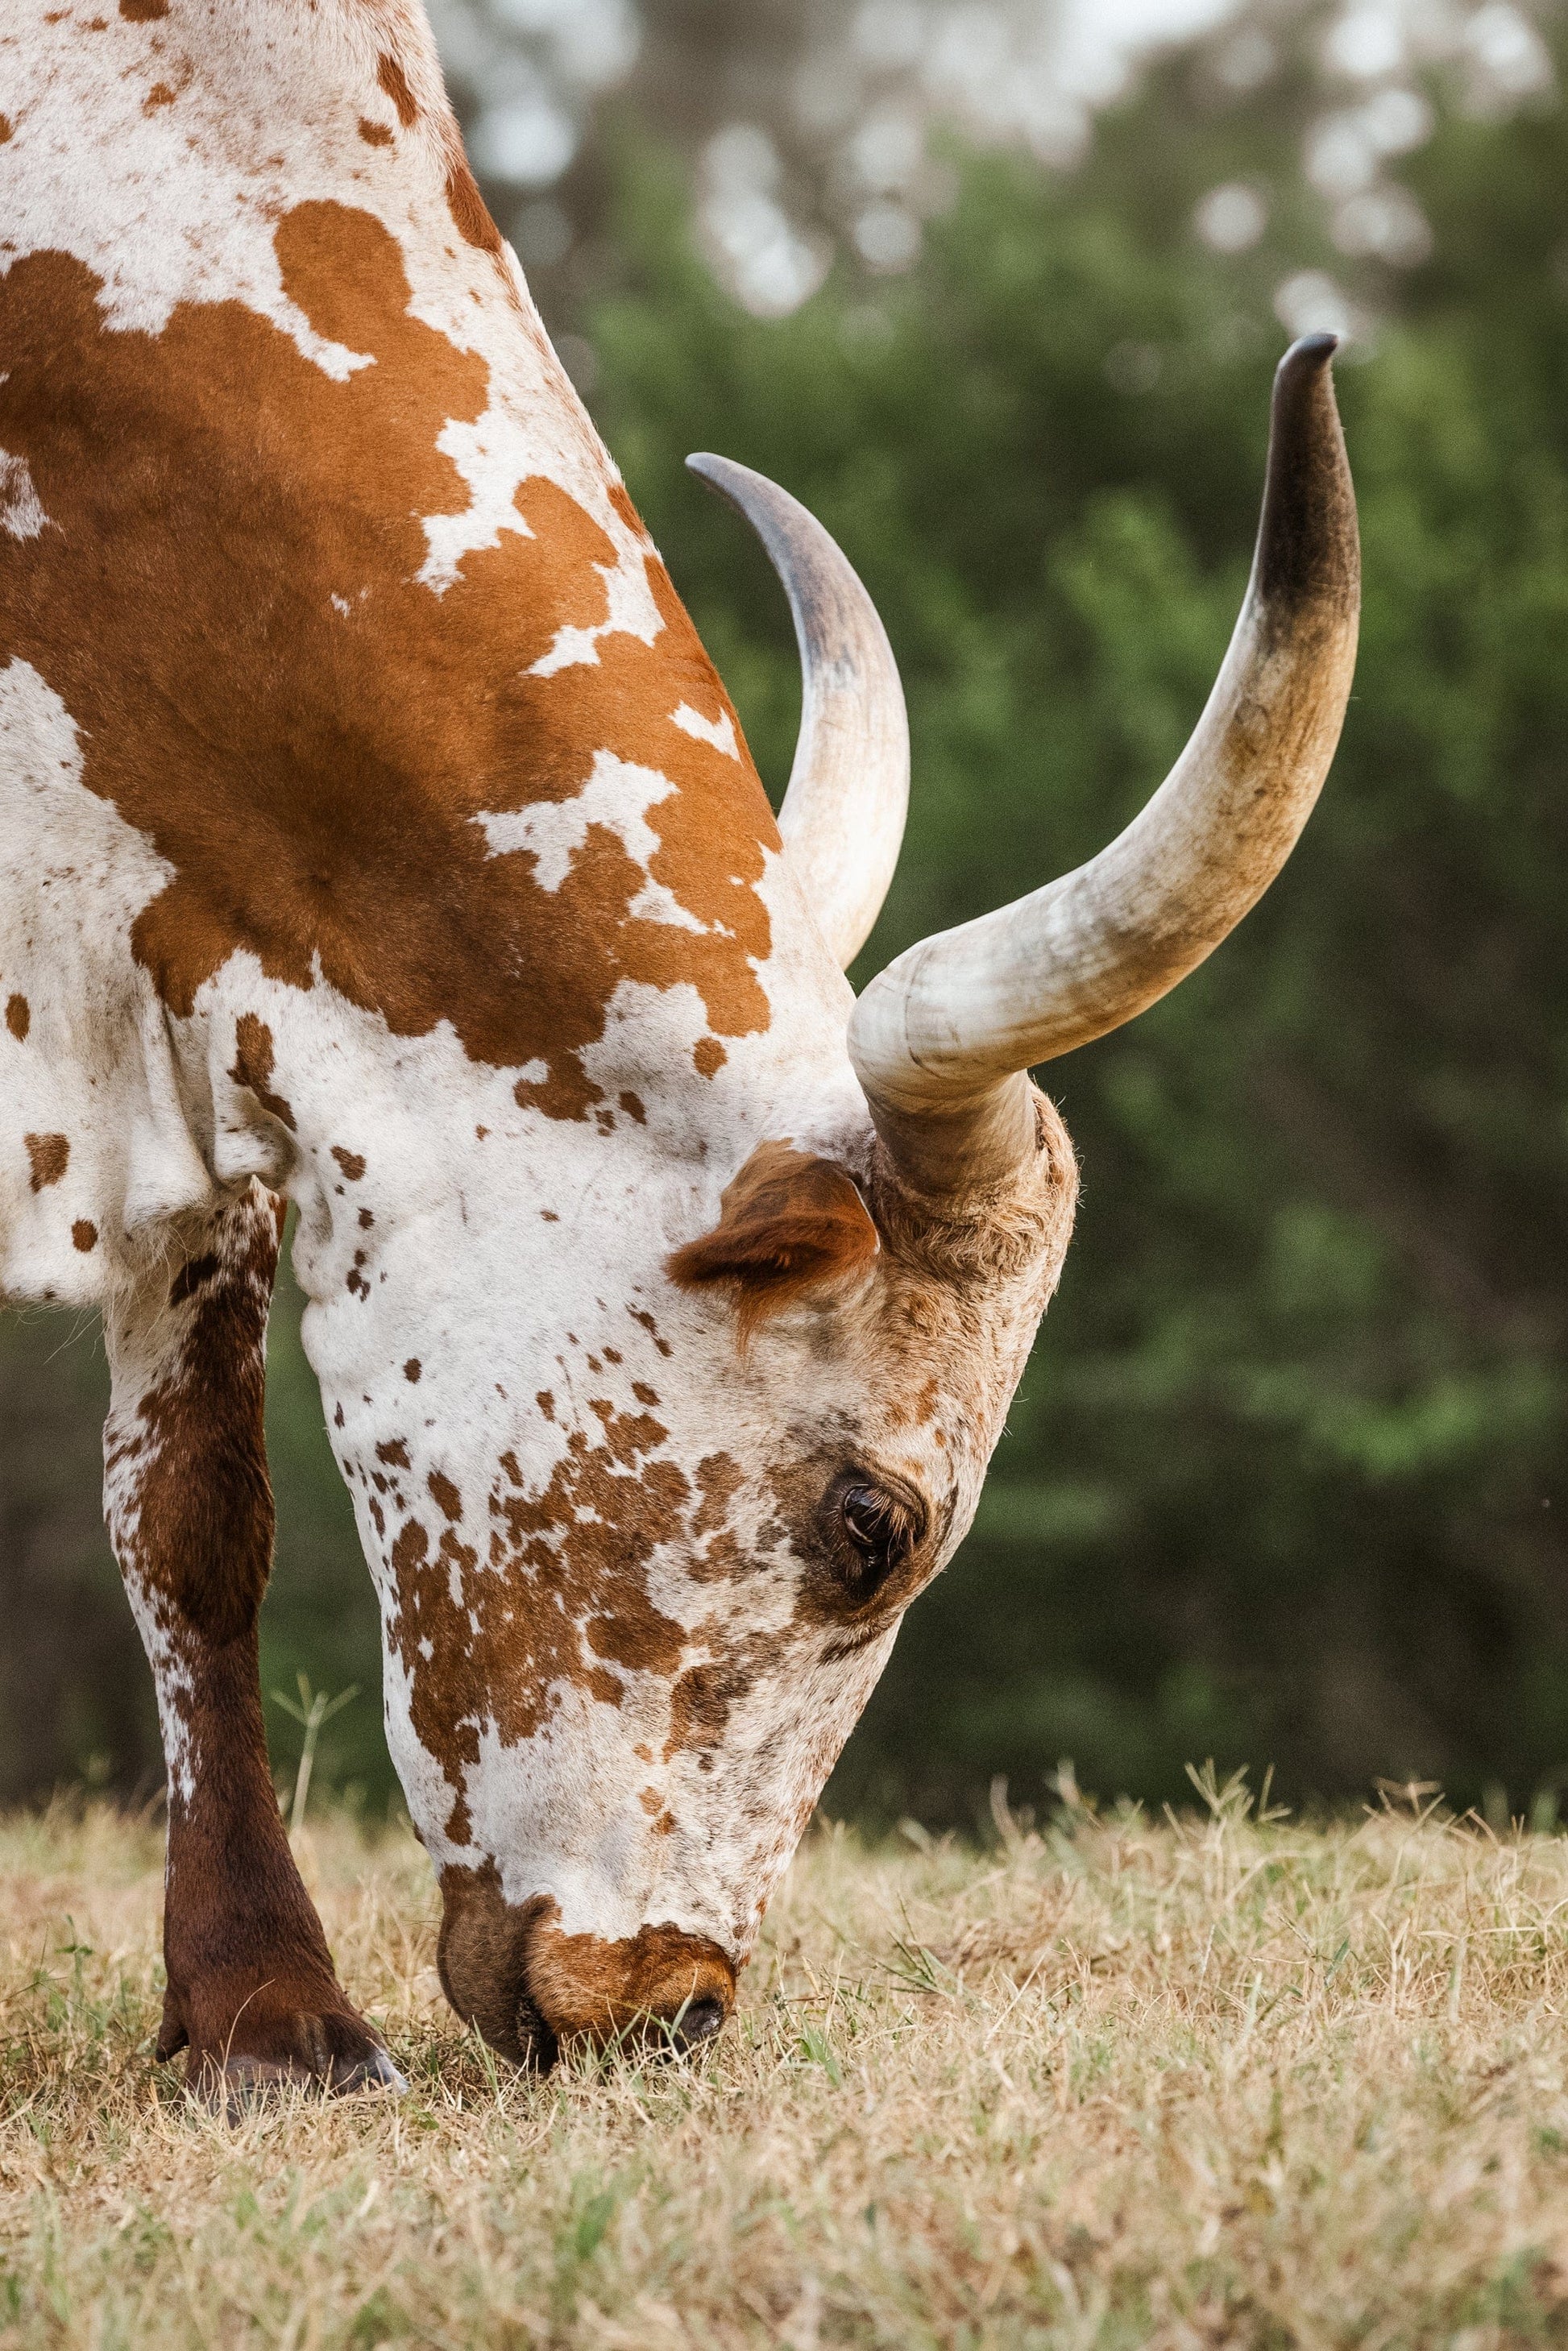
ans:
(1306, 355)
(1308, 542)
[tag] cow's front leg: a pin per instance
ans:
(252, 1991)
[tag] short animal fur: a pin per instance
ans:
(379, 839)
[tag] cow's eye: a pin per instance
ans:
(882, 1530)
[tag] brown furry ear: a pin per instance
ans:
(790, 1221)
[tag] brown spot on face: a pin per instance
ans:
(374, 134)
(18, 1017)
(469, 210)
(395, 82)
(699, 1708)
(790, 1223)
(353, 1166)
(7, 128)
(640, 1388)
(49, 1156)
(143, 12)
(562, 1596)
(633, 1107)
(253, 1065)
(719, 1477)
(710, 1056)
(304, 773)
(640, 1314)
(84, 1234)
(447, 1498)
(411, 1370)
(396, 1454)
(159, 95)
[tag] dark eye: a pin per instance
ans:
(869, 1515)
(883, 1530)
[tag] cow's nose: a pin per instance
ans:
(697, 2023)
(533, 1990)
(662, 1988)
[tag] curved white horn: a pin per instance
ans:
(843, 817)
(939, 1039)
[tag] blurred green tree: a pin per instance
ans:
(1282, 1478)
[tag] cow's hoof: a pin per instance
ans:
(373, 2071)
(239, 2086)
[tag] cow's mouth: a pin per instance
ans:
(532, 1989)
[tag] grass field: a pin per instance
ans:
(1211, 2080)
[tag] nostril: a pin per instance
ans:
(699, 2020)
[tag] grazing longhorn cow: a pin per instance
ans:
(379, 839)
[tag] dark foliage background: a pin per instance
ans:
(1284, 1482)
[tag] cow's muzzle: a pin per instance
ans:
(532, 1989)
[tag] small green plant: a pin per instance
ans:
(313, 1709)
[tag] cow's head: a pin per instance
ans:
(622, 1659)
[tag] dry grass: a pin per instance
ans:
(1209, 2082)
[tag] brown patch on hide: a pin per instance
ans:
(353, 1166)
(699, 1708)
(143, 12)
(709, 1057)
(720, 1479)
(445, 1496)
(18, 1017)
(7, 128)
(394, 83)
(412, 1369)
(469, 210)
(49, 1156)
(374, 134)
(312, 769)
(250, 1980)
(560, 1595)
(253, 1065)
(790, 1224)
(84, 1236)
(193, 1275)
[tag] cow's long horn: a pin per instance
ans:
(842, 816)
(941, 1038)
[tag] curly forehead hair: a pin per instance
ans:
(1000, 1234)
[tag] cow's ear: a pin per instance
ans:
(791, 1222)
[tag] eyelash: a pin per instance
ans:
(888, 1534)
